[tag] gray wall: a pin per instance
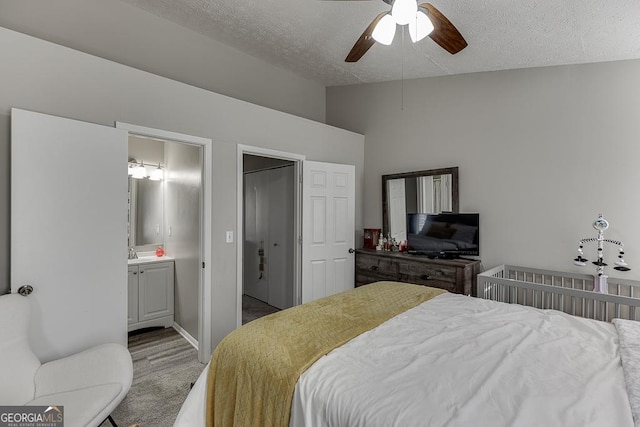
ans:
(126, 34)
(182, 197)
(48, 78)
(147, 150)
(541, 152)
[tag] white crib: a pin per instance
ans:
(567, 292)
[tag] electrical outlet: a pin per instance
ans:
(229, 236)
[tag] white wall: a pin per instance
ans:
(183, 186)
(40, 76)
(126, 34)
(5, 208)
(541, 152)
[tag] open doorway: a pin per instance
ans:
(268, 235)
(183, 227)
(165, 209)
(287, 169)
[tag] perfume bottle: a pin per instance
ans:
(382, 244)
(159, 252)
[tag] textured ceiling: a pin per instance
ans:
(312, 37)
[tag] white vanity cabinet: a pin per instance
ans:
(150, 294)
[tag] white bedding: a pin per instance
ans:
(462, 361)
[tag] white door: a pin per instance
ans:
(328, 229)
(255, 244)
(269, 229)
(281, 239)
(397, 209)
(68, 230)
(156, 291)
(132, 295)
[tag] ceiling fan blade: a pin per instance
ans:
(444, 32)
(365, 41)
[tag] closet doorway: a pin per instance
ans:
(323, 261)
(268, 235)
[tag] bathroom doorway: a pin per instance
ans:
(165, 184)
(171, 212)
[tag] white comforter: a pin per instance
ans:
(461, 361)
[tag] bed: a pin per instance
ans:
(439, 360)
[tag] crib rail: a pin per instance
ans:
(567, 292)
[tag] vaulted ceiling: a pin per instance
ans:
(313, 37)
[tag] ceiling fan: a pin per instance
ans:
(423, 20)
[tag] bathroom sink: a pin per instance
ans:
(148, 258)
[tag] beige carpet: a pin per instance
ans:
(164, 366)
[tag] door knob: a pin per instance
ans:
(25, 290)
(351, 250)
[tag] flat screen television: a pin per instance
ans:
(446, 235)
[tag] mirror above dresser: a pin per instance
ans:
(427, 191)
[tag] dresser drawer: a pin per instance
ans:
(423, 272)
(457, 275)
(377, 267)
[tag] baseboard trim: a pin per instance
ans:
(186, 335)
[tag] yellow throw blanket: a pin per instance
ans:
(255, 368)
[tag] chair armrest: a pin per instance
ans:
(103, 364)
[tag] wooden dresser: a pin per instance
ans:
(454, 275)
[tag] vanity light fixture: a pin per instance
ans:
(157, 174)
(139, 171)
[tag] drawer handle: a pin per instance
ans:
(135, 272)
(375, 268)
(425, 277)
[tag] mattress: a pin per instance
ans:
(460, 361)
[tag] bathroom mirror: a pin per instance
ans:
(146, 200)
(427, 191)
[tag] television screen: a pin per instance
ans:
(443, 235)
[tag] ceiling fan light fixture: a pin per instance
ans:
(385, 30)
(404, 11)
(420, 27)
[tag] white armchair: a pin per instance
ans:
(89, 384)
